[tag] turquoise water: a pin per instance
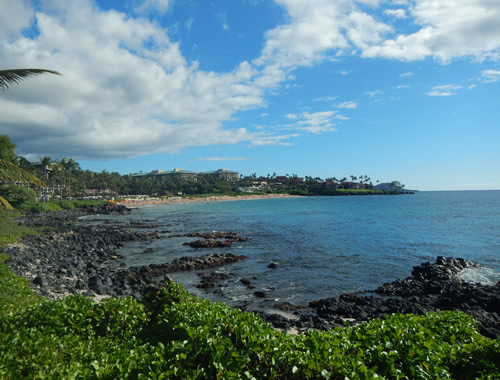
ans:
(326, 246)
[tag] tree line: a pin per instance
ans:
(64, 178)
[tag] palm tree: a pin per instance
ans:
(10, 172)
(69, 168)
(15, 76)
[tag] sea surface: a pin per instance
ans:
(325, 246)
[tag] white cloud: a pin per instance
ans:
(317, 26)
(150, 6)
(126, 90)
(490, 76)
(444, 90)
(316, 122)
(448, 29)
(14, 17)
(396, 13)
(349, 104)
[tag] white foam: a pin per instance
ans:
(482, 275)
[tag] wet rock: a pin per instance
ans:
(249, 284)
(273, 265)
(210, 243)
(430, 287)
(211, 280)
(72, 257)
(214, 239)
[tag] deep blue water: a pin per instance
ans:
(326, 246)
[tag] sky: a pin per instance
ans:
(405, 90)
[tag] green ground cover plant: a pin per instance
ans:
(172, 334)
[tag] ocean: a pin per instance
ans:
(326, 246)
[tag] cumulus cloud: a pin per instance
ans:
(447, 29)
(127, 90)
(317, 26)
(444, 90)
(10, 26)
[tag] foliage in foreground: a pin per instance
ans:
(10, 230)
(176, 335)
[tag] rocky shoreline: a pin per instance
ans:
(430, 287)
(77, 258)
(74, 258)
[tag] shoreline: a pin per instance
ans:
(76, 258)
(213, 198)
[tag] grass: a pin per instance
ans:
(10, 230)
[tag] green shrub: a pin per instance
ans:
(40, 206)
(66, 204)
(14, 291)
(175, 335)
(17, 195)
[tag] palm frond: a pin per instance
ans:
(15, 76)
(13, 173)
(6, 204)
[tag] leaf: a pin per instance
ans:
(15, 76)
(13, 173)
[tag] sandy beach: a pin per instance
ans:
(154, 201)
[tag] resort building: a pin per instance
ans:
(177, 173)
(216, 175)
(221, 175)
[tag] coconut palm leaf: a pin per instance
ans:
(13, 173)
(15, 76)
(5, 204)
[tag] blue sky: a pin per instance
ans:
(405, 90)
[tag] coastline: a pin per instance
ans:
(77, 258)
(213, 198)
